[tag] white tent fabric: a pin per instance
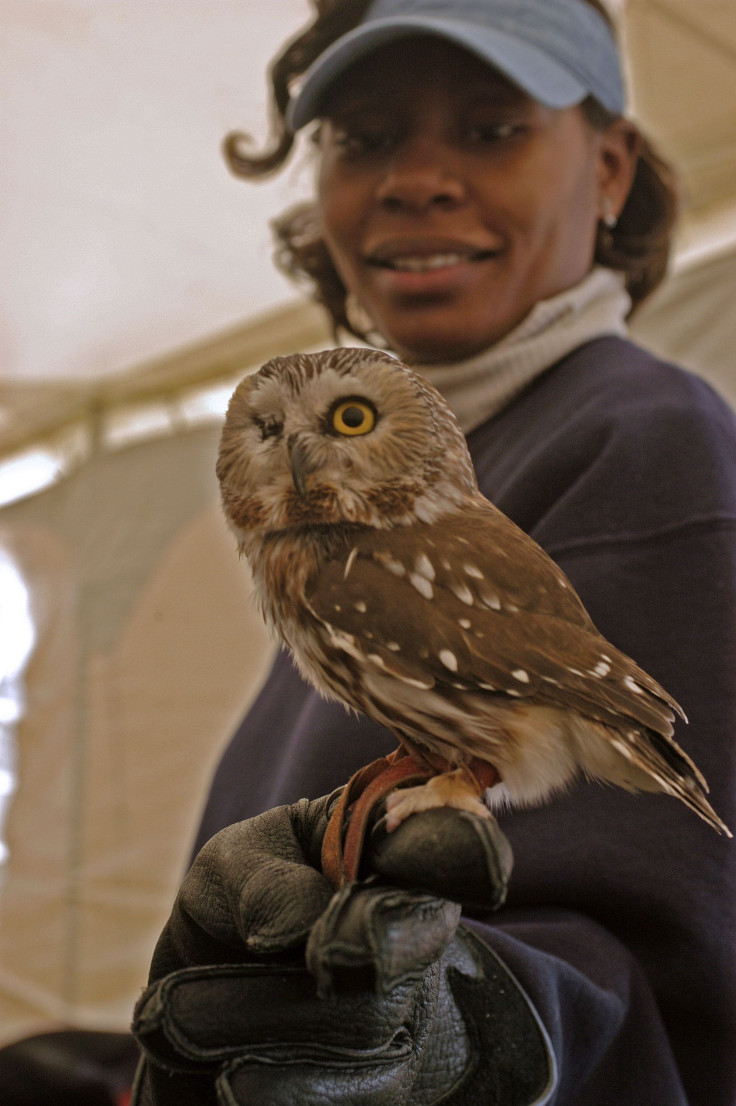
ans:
(147, 651)
(140, 291)
(123, 231)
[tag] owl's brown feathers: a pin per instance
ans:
(403, 592)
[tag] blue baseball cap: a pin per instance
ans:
(557, 51)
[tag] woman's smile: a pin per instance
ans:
(427, 267)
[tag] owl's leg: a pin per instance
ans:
(459, 788)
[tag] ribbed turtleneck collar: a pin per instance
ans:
(481, 385)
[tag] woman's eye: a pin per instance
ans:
(488, 133)
(353, 417)
(354, 143)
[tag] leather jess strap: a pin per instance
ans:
(344, 839)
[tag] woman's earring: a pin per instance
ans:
(608, 218)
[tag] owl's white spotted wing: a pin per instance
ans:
(444, 605)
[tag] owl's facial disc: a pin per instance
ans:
(347, 418)
(347, 436)
(344, 444)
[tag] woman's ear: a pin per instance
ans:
(618, 152)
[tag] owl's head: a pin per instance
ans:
(342, 436)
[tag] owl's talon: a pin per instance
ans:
(456, 789)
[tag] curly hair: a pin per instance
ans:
(638, 246)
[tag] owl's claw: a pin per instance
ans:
(457, 789)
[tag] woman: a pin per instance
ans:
(485, 210)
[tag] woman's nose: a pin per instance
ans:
(420, 176)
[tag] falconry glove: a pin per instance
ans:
(269, 988)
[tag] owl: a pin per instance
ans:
(401, 591)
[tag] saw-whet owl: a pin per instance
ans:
(403, 592)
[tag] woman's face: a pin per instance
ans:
(450, 201)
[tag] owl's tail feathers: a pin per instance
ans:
(671, 770)
(679, 776)
(694, 798)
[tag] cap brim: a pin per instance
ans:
(526, 66)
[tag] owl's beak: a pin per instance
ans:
(300, 466)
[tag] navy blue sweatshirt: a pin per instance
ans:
(621, 916)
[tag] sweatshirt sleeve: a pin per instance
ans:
(621, 919)
(598, 1008)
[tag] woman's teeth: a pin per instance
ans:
(425, 264)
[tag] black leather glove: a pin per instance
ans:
(268, 989)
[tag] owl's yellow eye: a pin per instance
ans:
(353, 417)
